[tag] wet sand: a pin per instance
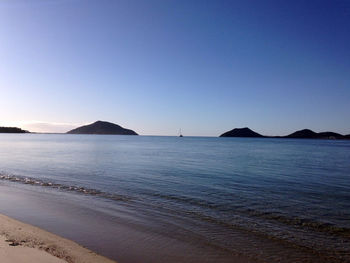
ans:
(103, 229)
(21, 242)
(113, 233)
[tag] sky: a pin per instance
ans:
(158, 66)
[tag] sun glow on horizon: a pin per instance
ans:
(41, 126)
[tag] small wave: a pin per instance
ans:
(63, 187)
(293, 221)
(303, 223)
(185, 200)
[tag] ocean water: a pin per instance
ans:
(214, 199)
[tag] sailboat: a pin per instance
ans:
(180, 134)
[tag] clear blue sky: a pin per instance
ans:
(158, 66)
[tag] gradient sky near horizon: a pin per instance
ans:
(157, 66)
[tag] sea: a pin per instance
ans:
(189, 199)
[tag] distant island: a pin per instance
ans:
(309, 134)
(242, 132)
(302, 134)
(108, 128)
(102, 127)
(12, 130)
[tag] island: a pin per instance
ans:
(309, 134)
(12, 130)
(301, 134)
(102, 127)
(242, 132)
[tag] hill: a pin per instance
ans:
(303, 134)
(102, 127)
(309, 134)
(330, 135)
(242, 132)
(12, 130)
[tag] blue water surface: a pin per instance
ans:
(287, 189)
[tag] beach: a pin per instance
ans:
(100, 227)
(162, 199)
(174, 131)
(20, 242)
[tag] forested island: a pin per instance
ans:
(102, 127)
(301, 134)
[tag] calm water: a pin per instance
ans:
(273, 200)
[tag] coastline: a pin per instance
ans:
(241, 201)
(101, 227)
(21, 242)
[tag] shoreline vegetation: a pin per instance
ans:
(108, 128)
(20, 242)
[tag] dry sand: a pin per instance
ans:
(21, 242)
(22, 254)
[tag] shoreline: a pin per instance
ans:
(102, 227)
(21, 241)
(156, 200)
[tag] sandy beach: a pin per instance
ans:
(20, 242)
